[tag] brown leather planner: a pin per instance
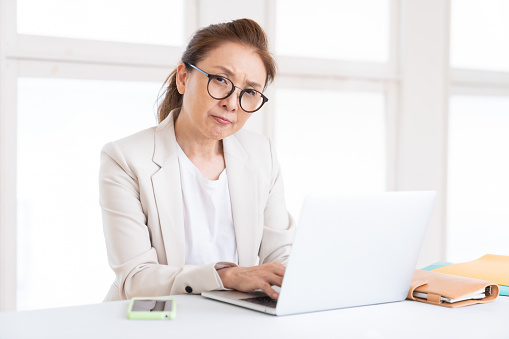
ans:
(449, 290)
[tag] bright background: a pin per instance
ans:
(372, 95)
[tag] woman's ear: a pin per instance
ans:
(181, 77)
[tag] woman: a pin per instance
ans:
(197, 204)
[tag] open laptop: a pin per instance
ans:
(349, 250)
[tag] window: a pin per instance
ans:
(478, 181)
(62, 126)
(331, 51)
(348, 30)
(479, 30)
(330, 141)
(159, 22)
(329, 120)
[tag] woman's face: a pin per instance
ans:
(206, 117)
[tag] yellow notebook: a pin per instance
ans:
(494, 268)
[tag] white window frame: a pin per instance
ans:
(54, 57)
(415, 82)
(478, 82)
(415, 153)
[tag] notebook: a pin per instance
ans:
(349, 250)
(450, 291)
(488, 267)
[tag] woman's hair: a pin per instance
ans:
(243, 31)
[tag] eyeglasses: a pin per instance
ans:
(220, 87)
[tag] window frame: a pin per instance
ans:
(54, 57)
(416, 80)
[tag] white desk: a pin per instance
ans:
(198, 317)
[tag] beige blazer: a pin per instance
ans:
(142, 210)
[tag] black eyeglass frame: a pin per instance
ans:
(242, 91)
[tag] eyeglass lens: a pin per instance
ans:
(221, 88)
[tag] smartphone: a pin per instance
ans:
(152, 308)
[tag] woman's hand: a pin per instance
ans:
(247, 279)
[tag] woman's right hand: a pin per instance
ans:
(247, 279)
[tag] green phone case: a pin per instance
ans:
(155, 315)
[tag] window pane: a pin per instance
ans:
(478, 180)
(334, 29)
(332, 141)
(62, 126)
(159, 22)
(479, 34)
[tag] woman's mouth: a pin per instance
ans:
(222, 121)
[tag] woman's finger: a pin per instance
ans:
(276, 281)
(270, 291)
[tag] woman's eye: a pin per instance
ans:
(221, 80)
(251, 92)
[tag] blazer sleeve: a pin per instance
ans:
(131, 255)
(279, 225)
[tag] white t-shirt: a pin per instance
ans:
(208, 221)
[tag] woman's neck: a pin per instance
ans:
(195, 145)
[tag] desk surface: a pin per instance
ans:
(198, 317)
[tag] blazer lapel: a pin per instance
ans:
(167, 191)
(242, 182)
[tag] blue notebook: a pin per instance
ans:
(503, 290)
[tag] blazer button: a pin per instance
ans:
(189, 289)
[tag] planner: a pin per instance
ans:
(449, 290)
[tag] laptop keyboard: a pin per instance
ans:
(265, 301)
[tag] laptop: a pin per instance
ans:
(349, 250)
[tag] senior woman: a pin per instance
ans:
(196, 203)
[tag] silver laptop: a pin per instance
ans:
(349, 250)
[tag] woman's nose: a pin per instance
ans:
(231, 103)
